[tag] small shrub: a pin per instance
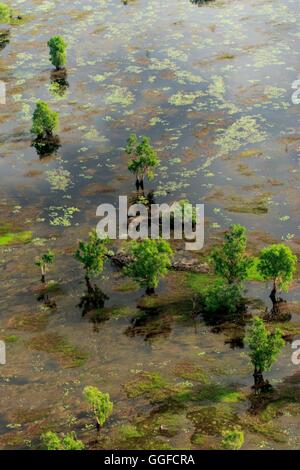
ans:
(223, 298)
(100, 404)
(44, 121)
(233, 439)
(44, 261)
(51, 441)
(58, 54)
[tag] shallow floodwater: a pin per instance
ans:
(211, 84)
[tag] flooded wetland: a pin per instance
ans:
(210, 82)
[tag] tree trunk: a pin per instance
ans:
(150, 291)
(273, 294)
(43, 278)
(137, 184)
(142, 184)
(258, 379)
(88, 284)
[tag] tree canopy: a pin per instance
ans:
(264, 346)
(230, 260)
(58, 51)
(92, 254)
(143, 157)
(151, 259)
(277, 263)
(51, 441)
(44, 120)
(100, 404)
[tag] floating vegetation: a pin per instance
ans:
(62, 216)
(65, 353)
(119, 95)
(183, 99)
(59, 179)
(245, 130)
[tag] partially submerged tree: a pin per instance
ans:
(230, 260)
(264, 348)
(231, 263)
(151, 260)
(58, 52)
(43, 262)
(92, 254)
(51, 441)
(143, 159)
(45, 121)
(100, 404)
(277, 263)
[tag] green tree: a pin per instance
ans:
(58, 52)
(43, 262)
(45, 120)
(277, 263)
(92, 254)
(143, 159)
(5, 13)
(51, 441)
(230, 260)
(151, 259)
(100, 404)
(264, 348)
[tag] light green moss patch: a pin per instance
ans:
(213, 420)
(15, 238)
(233, 439)
(11, 339)
(28, 321)
(190, 371)
(145, 384)
(129, 431)
(219, 393)
(66, 354)
(199, 282)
